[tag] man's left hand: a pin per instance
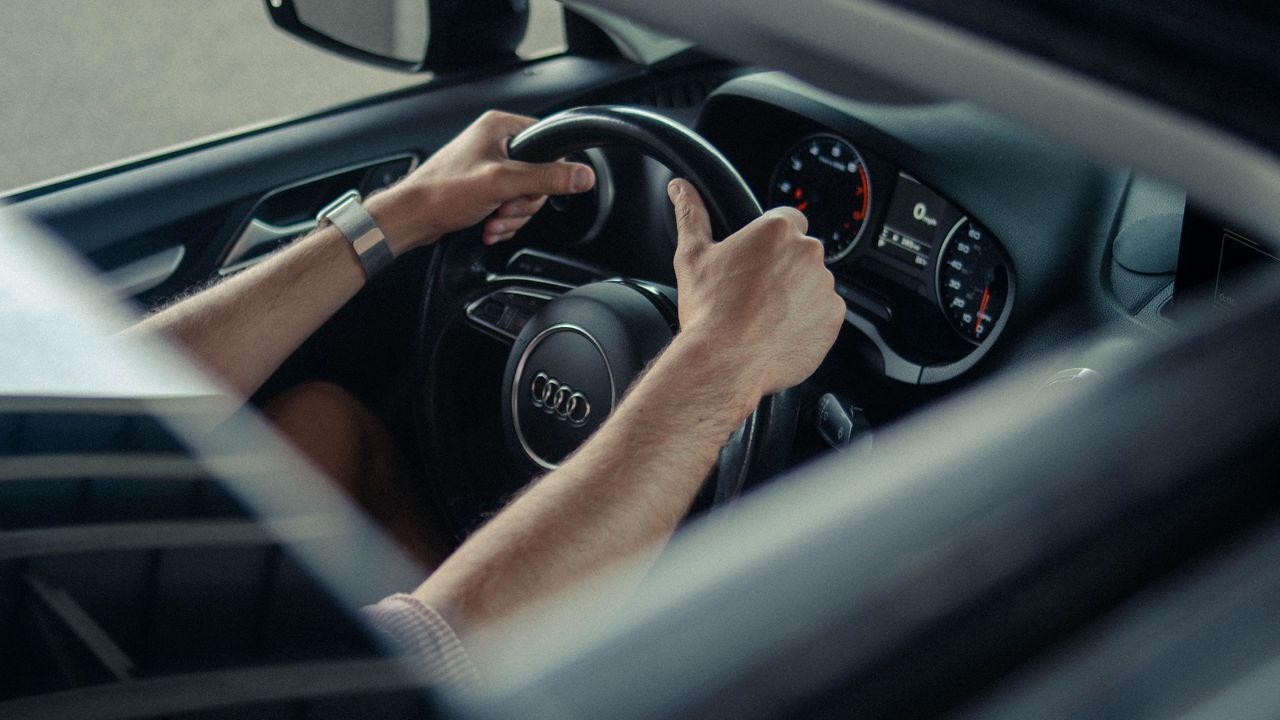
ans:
(470, 179)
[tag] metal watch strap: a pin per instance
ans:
(349, 216)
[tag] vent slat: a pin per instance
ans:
(141, 466)
(19, 544)
(90, 634)
(222, 689)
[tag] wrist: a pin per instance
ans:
(397, 211)
(710, 363)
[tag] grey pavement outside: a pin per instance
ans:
(89, 82)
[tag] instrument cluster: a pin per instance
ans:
(928, 284)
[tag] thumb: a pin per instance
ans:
(693, 225)
(552, 178)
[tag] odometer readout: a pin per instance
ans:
(824, 177)
(915, 224)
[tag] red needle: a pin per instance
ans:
(986, 298)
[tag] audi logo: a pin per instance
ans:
(557, 399)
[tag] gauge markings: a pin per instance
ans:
(824, 177)
(973, 281)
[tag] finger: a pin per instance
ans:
(813, 248)
(522, 206)
(495, 239)
(693, 225)
(791, 215)
(501, 226)
(552, 178)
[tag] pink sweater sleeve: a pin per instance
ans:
(421, 632)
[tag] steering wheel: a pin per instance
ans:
(578, 351)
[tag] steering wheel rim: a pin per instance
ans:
(453, 293)
(729, 200)
(759, 444)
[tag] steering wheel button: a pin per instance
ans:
(513, 320)
(490, 310)
(526, 303)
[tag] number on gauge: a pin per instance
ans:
(825, 178)
(973, 281)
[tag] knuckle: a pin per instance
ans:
(686, 256)
(684, 216)
(774, 225)
(813, 249)
(788, 217)
(494, 175)
(838, 309)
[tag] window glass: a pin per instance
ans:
(88, 83)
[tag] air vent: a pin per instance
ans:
(679, 94)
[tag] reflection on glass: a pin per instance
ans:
(393, 28)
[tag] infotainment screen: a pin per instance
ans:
(1210, 257)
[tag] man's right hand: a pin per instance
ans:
(758, 312)
(762, 297)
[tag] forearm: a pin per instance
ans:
(243, 328)
(619, 496)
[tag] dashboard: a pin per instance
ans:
(928, 279)
(943, 225)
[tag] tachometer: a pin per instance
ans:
(824, 177)
(973, 280)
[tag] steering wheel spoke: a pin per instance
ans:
(504, 311)
(529, 280)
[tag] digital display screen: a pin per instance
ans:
(918, 221)
(1211, 256)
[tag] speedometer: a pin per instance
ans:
(825, 178)
(973, 280)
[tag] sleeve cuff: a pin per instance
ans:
(421, 632)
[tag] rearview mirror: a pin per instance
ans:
(409, 35)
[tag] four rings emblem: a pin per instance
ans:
(558, 399)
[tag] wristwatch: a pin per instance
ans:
(349, 216)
